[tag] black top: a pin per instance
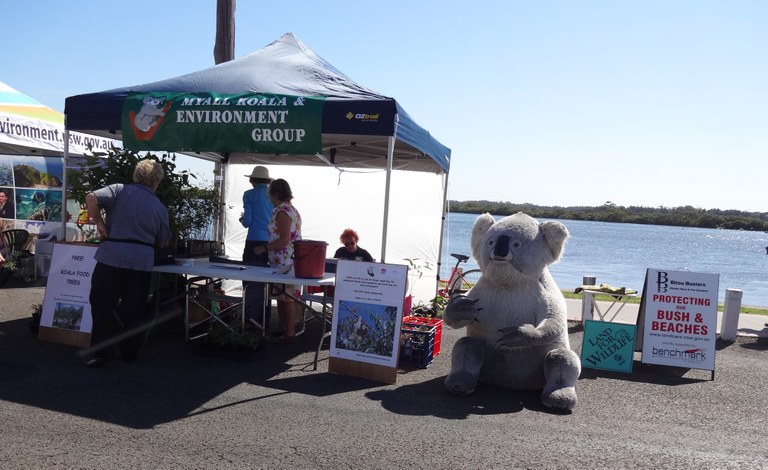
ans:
(358, 255)
(7, 211)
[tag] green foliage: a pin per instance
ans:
(195, 211)
(416, 267)
(14, 264)
(225, 338)
(416, 270)
(686, 216)
(433, 309)
(191, 209)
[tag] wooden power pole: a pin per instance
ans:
(224, 49)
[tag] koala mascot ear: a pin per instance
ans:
(555, 234)
(482, 224)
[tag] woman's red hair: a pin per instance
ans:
(349, 233)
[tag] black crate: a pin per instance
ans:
(417, 345)
(198, 248)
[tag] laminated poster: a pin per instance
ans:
(368, 304)
(66, 305)
(680, 324)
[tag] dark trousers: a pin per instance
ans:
(118, 304)
(254, 291)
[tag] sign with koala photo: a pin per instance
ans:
(368, 311)
(203, 122)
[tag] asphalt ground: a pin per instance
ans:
(181, 407)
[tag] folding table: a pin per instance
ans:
(241, 272)
(589, 305)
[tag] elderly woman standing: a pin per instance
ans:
(136, 222)
(284, 229)
(257, 211)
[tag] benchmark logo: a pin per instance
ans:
(695, 356)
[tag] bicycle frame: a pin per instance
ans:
(455, 272)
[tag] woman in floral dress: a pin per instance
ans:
(284, 229)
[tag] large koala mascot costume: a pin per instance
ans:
(516, 318)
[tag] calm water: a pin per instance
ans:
(619, 254)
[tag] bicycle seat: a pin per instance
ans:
(461, 258)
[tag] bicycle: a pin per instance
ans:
(460, 281)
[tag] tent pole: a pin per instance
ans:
(390, 154)
(442, 230)
(64, 182)
(219, 171)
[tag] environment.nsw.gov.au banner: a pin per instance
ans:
(205, 122)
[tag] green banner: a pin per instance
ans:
(213, 122)
(608, 346)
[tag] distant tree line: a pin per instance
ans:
(685, 216)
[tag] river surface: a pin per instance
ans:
(619, 254)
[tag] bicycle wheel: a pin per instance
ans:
(464, 282)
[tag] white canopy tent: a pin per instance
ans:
(376, 170)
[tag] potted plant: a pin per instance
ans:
(192, 209)
(225, 340)
(6, 271)
(20, 263)
(415, 272)
(34, 323)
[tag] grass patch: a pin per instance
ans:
(636, 300)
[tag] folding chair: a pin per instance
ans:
(15, 240)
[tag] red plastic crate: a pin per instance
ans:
(436, 322)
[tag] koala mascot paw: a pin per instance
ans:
(462, 309)
(517, 337)
(516, 317)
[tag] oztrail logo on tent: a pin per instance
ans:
(363, 117)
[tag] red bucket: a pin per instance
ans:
(309, 258)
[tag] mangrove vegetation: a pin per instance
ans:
(686, 216)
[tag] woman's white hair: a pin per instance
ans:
(148, 172)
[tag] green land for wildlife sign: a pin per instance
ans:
(608, 346)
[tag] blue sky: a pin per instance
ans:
(647, 103)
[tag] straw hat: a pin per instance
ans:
(261, 173)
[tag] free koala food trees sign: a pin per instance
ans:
(214, 122)
(680, 325)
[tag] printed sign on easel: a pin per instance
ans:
(680, 319)
(368, 311)
(66, 315)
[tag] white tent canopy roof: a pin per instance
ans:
(288, 66)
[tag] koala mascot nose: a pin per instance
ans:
(502, 246)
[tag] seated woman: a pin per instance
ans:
(350, 250)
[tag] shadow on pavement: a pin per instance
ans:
(419, 399)
(170, 381)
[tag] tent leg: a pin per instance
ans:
(390, 153)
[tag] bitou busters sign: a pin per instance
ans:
(680, 324)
